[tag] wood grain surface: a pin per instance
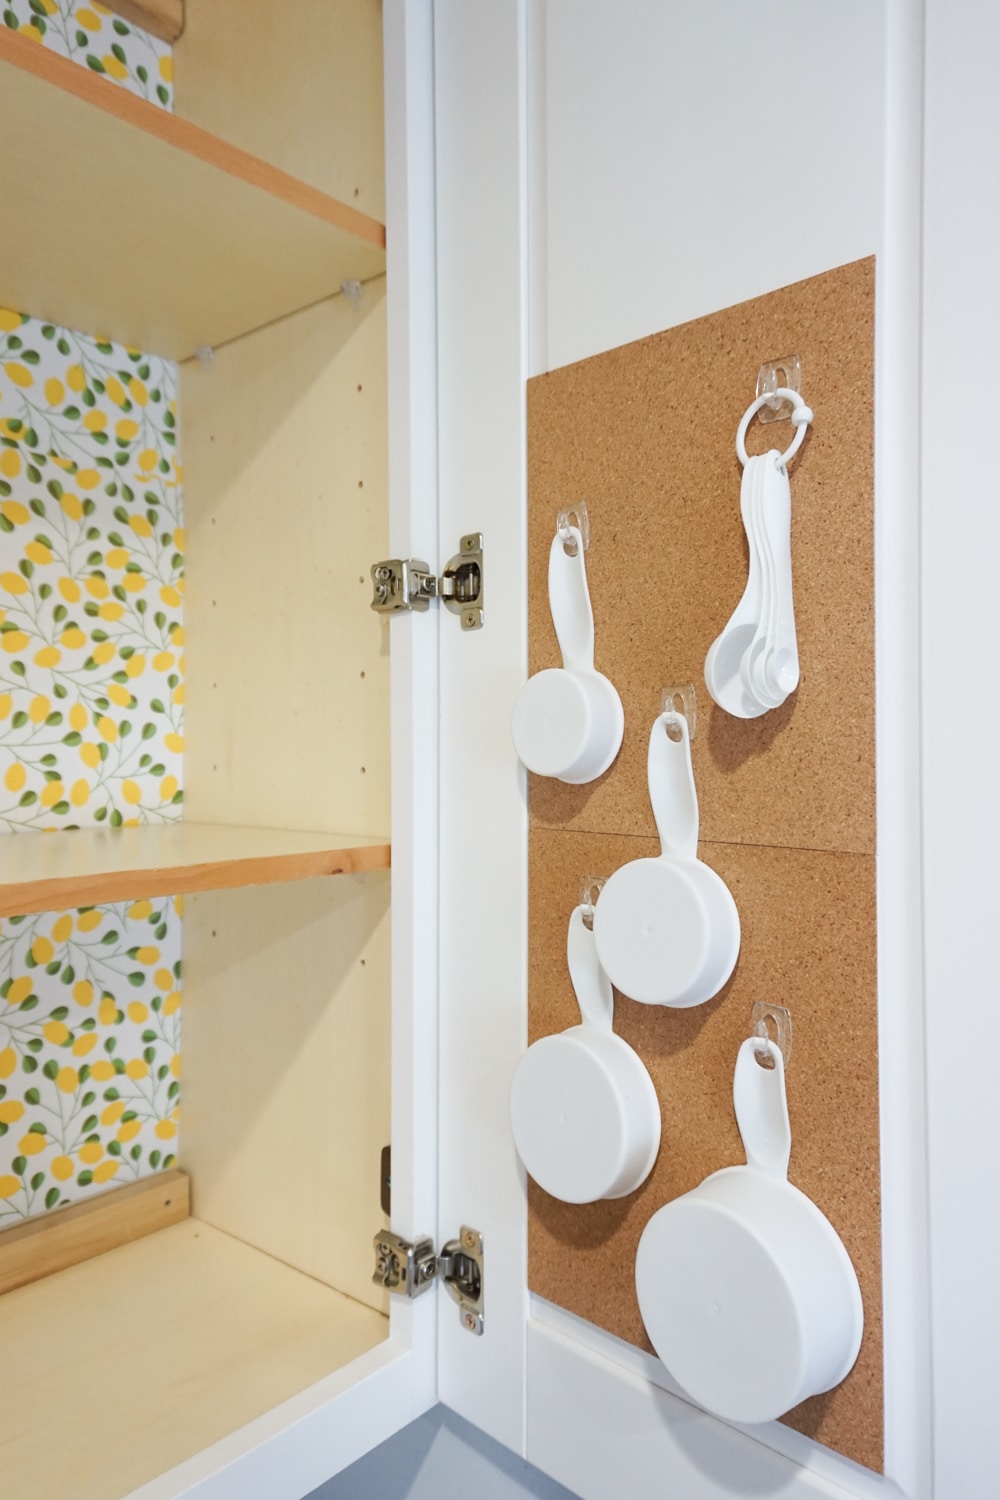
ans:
(646, 435)
(58, 1240)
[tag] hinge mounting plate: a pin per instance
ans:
(408, 1267)
(407, 583)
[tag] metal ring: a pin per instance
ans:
(752, 410)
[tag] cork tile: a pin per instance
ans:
(645, 434)
(808, 942)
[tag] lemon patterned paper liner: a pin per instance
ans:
(91, 705)
(94, 36)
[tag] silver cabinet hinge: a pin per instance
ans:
(409, 1267)
(407, 583)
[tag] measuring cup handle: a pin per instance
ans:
(569, 601)
(591, 985)
(671, 787)
(762, 1108)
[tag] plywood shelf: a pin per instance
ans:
(51, 872)
(124, 220)
(187, 1335)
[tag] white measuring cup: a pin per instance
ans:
(746, 1290)
(583, 1110)
(568, 721)
(667, 929)
(753, 664)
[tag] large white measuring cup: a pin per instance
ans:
(746, 1290)
(667, 929)
(568, 721)
(583, 1110)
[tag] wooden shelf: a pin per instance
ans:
(146, 1355)
(124, 220)
(51, 872)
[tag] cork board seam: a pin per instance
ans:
(704, 843)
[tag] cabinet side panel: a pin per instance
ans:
(286, 1103)
(288, 669)
(318, 65)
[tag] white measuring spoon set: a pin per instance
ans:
(568, 721)
(753, 665)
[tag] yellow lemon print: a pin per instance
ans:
(19, 990)
(33, 1143)
(61, 1168)
(83, 990)
(62, 928)
(14, 777)
(11, 1111)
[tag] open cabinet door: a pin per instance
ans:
(595, 185)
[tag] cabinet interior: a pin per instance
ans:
(266, 1289)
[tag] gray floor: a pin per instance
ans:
(441, 1457)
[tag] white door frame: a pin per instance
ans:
(594, 1413)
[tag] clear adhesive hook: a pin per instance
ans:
(772, 1023)
(573, 515)
(590, 888)
(682, 703)
(786, 372)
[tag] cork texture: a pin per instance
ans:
(645, 435)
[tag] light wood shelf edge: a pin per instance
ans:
(162, 18)
(63, 73)
(93, 867)
(55, 1241)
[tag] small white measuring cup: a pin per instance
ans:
(667, 929)
(583, 1110)
(568, 721)
(746, 1290)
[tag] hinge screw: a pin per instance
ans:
(469, 1321)
(469, 1240)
